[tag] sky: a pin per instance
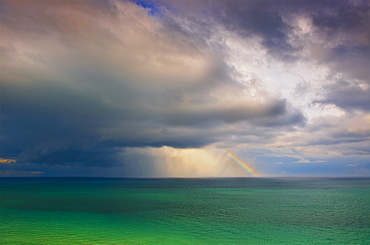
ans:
(185, 88)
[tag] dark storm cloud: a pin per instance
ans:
(49, 123)
(52, 123)
(64, 104)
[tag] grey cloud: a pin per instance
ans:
(88, 106)
(54, 122)
(344, 26)
(348, 96)
(345, 137)
(271, 21)
(250, 19)
(341, 16)
(227, 113)
(351, 60)
(259, 19)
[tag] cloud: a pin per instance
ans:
(347, 95)
(76, 92)
(255, 19)
(91, 84)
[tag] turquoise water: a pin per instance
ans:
(184, 211)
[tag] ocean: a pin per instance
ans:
(185, 211)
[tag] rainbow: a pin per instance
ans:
(241, 163)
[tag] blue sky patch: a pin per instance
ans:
(154, 8)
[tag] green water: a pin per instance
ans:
(184, 211)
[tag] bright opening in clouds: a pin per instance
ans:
(165, 88)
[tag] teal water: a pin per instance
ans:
(184, 211)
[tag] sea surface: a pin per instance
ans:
(184, 211)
